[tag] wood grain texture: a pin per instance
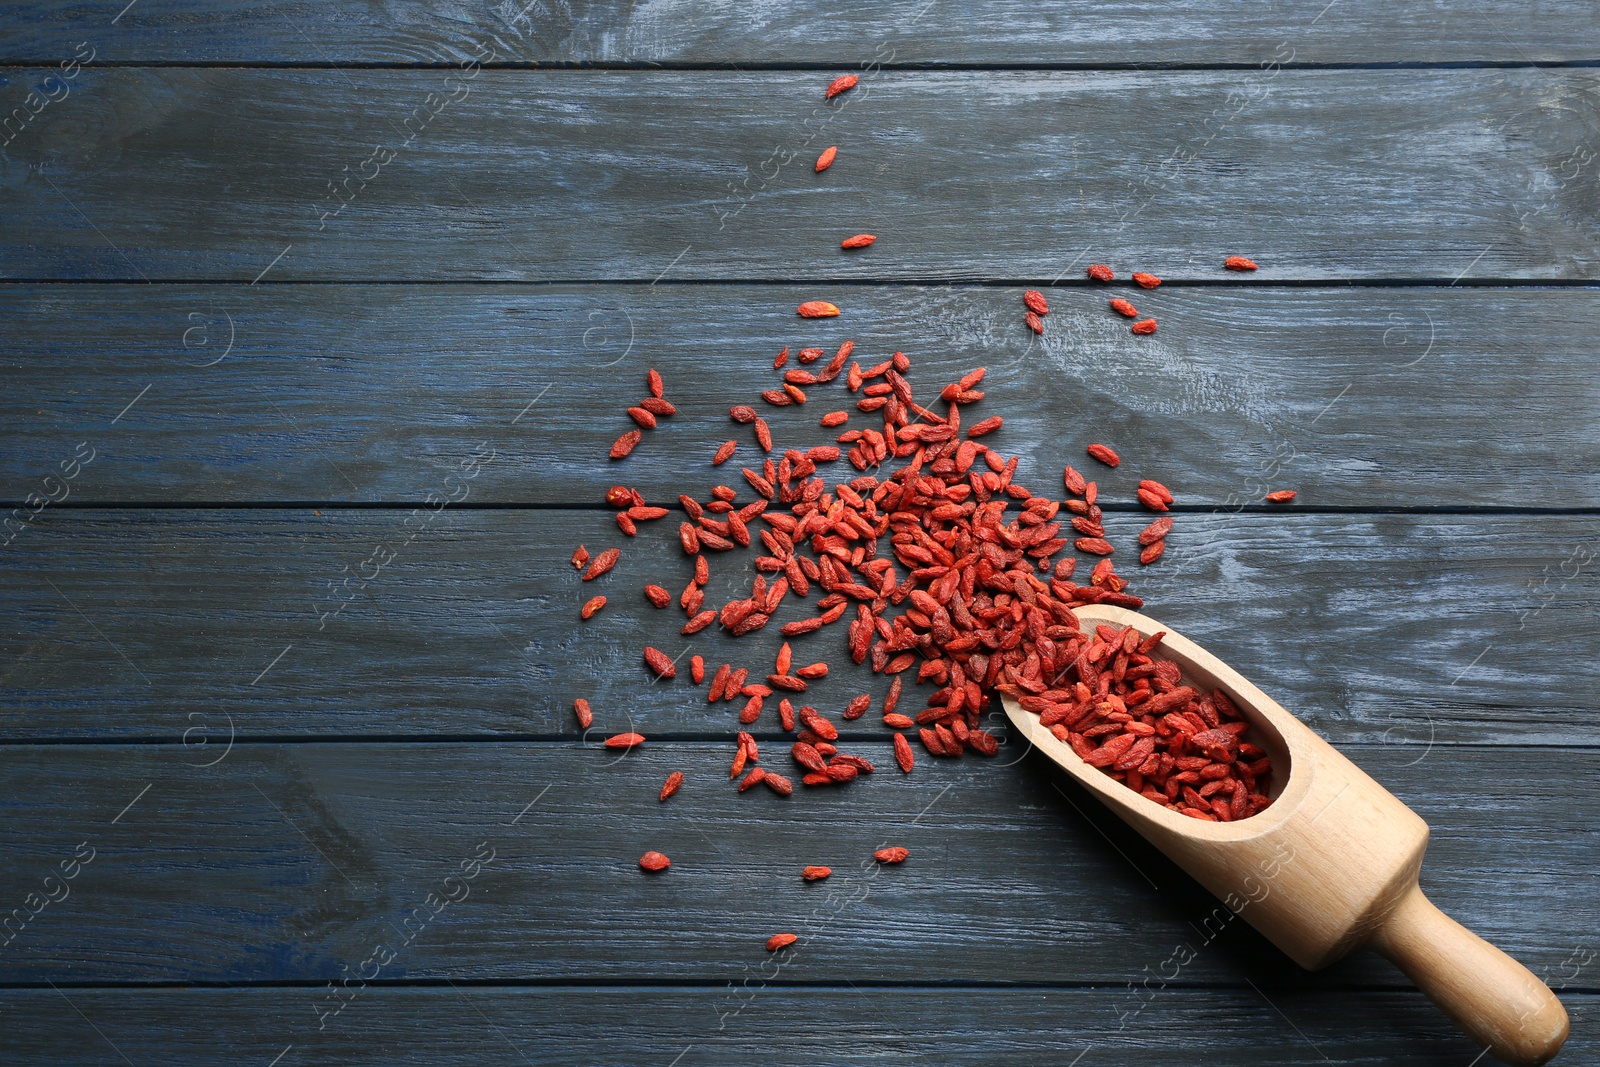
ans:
(288, 862)
(1107, 32)
(863, 1025)
(1357, 398)
(1446, 654)
(578, 175)
(1420, 631)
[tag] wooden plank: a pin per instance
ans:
(364, 393)
(593, 175)
(1417, 630)
(287, 862)
(778, 1025)
(1008, 32)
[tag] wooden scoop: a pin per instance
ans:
(1330, 866)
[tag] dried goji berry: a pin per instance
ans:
(1104, 454)
(659, 662)
(902, 753)
(602, 563)
(625, 444)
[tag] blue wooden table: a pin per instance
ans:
(319, 319)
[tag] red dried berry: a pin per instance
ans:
(843, 83)
(591, 606)
(902, 753)
(1100, 272)
(1281, 496)
(674, 782)
(1105, 454)
(815, 873)
(1155, 531)
(580, 708)
(1144, 326)
(860, 240)
(1036, 302)
(807, 756)
(1161, 492)
(580, 556)
(654, 861)
(627, 740)
(893, 854)
(1122, 307)
(1076, 485)
(659, 662)
(777, 941)
(602, 563)
(724, 453)
(825, 160)
(817, 309)
(1035, 323)
(1151, 500)
(624, 444)
(1239, 263)
(1146, 281)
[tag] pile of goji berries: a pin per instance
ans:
(932, 557)
(1131, 715)
(947, 565)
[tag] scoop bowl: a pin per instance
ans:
(1329, 867)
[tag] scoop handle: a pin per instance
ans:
(1494, 999)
